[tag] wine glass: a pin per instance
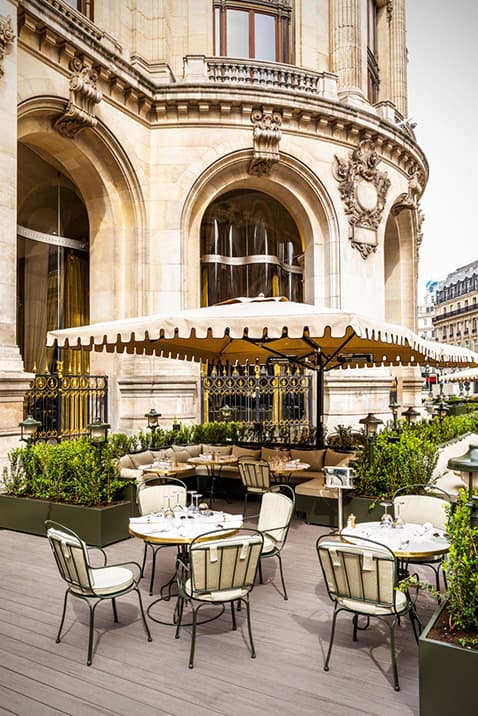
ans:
(398, 521)
(191, 494)
(196, 497)
(386, 520)
(168, 512)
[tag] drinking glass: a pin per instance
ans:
(196, 497)
(386, 520)
(398, 521)
(191, 494)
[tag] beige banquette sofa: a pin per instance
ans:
(133, 465)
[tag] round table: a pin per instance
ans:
(412, 541)
(167, 468)
(181, 530)
(214, 465)
(286, 468)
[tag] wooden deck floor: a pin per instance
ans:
(133, 677)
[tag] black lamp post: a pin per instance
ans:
(98, 435)
(28, 429)
(153, 419)
(371, 423)
(226, 412)
(394, 407)
(441, 410)
(468, 463)
(410, 415)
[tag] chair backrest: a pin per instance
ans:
(71, 556)
(364, 572)
(255, 474)
(157, 498)
(276, 513)
(428, 505)
(220, 565)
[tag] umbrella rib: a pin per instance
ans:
(330, 358)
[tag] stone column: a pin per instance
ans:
(345, 50)
(398, 53)
(13, 380)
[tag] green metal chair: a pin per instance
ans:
(361, 579)
(90, 583)
(255, 477)
(219, 570)
(424, 503)
(158, 498)
(277, 510)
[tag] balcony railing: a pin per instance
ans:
(271, 75)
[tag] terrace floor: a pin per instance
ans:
(133, 677)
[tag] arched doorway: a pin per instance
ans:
(249, 245)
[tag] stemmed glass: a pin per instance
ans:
(386, 520)
(398, 521)
(196, 497)
(168, 512)
(191, 494)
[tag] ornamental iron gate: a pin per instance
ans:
(272, 402)
(66, 405)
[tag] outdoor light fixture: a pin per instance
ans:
(226, 412)
(468, 463)
(153, 419)
(441, 410)
(394, 407)
(28, 429)
(371, 423)
(410, 415)
(98, 431)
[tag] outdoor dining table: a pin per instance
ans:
(214, 464)
(180, 531)
(411, 541)
(167, 468)
(284, 469)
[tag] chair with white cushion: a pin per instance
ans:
(255, 477)
(421, 504)
(277, 510)
(158, 498)
(361, 579)
(220, 570)
(89, 583)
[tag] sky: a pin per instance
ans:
(442, 42)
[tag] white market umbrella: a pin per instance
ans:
(249, 330)
(461, 376)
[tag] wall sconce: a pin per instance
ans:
(28, 429)
(153, 419)
(411, 415)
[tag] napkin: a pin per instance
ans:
(146, 520)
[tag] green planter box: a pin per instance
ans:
(447, 675)
(98, 526)
(323, 510)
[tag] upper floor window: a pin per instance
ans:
(258, 30)
(83, 6)
(372, 64)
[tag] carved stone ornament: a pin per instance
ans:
(410, 199)
(7, 37)
(78, 113)
(389, 11)
(363, 189)
(266, 139)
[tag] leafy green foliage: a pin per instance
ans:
(73, 471)
(461, 567)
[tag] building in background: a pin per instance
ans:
(426, 312)
(158, 156)
(456, 309)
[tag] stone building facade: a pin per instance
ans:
(133, 133)
(456, 308)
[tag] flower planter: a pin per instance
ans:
(447, 675)
(323, 510)
(98, 526)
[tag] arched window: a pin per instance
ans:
(249, 245)
(257, 30)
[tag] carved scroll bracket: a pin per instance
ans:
(79, 112)
(266, 139)
(363, 190)
(7, 37)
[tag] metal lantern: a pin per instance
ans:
(28, 428)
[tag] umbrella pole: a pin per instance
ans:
(319, 407)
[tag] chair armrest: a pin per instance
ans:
(99, 549)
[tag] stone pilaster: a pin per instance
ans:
(13, 380)
(398, 68)
(346, 52)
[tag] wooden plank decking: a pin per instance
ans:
(133, 677)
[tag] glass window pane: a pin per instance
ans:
(265, 37)
(237, 36)
(217, 31)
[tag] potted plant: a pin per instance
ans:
(448, 646)
(74, 483)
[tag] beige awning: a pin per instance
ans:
(461, 376)
(256, 329)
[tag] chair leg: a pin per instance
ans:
(396, 685)
(178, 615)
(90, 633)
(355, 623)
(58, 636)
(143, 615)
(331, 641)
(249, 628)
(282, 576)
(260, 572)
(233, 613)
(193, 638)
(245, 505)
(153, 569)
(144, 559)
(115, 611)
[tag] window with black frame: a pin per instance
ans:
(257, 30)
